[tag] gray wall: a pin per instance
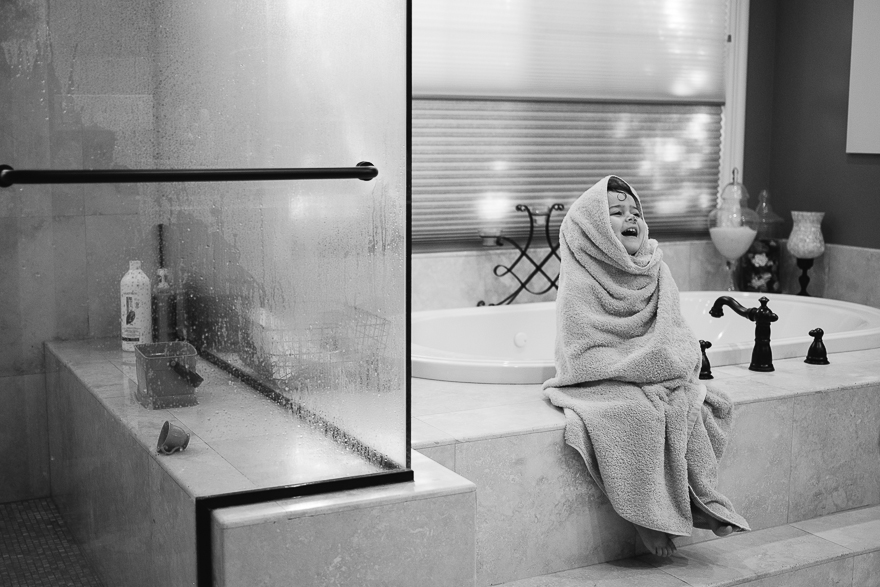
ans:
(796, 117)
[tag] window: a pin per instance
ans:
(519, 101)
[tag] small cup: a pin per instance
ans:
(172, 439)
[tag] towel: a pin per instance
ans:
(627, 378)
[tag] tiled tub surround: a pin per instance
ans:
(461, 279)
(133, 511)
(804, 444)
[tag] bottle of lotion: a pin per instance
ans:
(136, 319)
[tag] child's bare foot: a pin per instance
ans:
(719, 528)
(657, 543)
(708, 522)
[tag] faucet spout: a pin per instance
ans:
(762, 355)
(717, 310)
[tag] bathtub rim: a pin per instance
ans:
(428, 363)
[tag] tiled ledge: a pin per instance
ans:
(840, 549)
(446, 412)
(240, 441)
(797, 451)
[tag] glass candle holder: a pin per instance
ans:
(806, 243)
(805, 240)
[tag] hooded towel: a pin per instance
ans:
(627, 378)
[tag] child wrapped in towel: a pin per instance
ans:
(627, 375)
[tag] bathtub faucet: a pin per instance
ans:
(762, 356)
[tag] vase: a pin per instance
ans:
(805, 240)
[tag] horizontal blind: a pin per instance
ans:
(670, 50)
(473, 161)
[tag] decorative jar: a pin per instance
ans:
(759, 267)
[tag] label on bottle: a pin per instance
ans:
(135, 318)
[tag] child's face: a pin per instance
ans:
(626, 221)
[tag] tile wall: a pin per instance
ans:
(63, 249)
(462, 279)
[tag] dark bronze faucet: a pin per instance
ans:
(762, 356)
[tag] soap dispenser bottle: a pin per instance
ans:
(164, 309)
(759, 267)
(135, 315)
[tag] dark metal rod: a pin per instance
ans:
(9, 176)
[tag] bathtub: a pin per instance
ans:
(514, 344)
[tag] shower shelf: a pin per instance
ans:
(365, 171)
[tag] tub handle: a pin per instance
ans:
(191, 376)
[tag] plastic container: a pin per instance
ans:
(166, 375)
(136, 307)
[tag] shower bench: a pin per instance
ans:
(133, 511)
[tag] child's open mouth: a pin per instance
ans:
(632, 231)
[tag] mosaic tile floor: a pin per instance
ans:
(36, 549)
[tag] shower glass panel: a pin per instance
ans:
(299, 285)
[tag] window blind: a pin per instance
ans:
(574, 49)
(473, 161)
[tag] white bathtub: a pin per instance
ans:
(514, 344)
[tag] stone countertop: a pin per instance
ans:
(445, 412)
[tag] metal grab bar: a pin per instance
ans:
(364, 171)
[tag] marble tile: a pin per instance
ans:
(71, 278)
(745, 387)
(442, 455)
(173, 537)
(306, 456)
(793, 377)
(24, 457)
(707, 268)
(439, 397)
(424, 435)
(461, 279)
(200, 471)
(832, 433)
(748, 556)
(103, 379)
(857, 530)
(35, 201)
(538, 509)
(120, 506)
(37, 284)
(8, 203)
(505, 420)
(621, 573)
(755, 468)
(77, 352)
(838, 573)
(852, 274)
(363, 546)
(430, 480)
(10, 292)
(677, 256)
(866, 569)
(67, 199)
(109, 199)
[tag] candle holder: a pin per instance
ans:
(806, 243)
(540, 217)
